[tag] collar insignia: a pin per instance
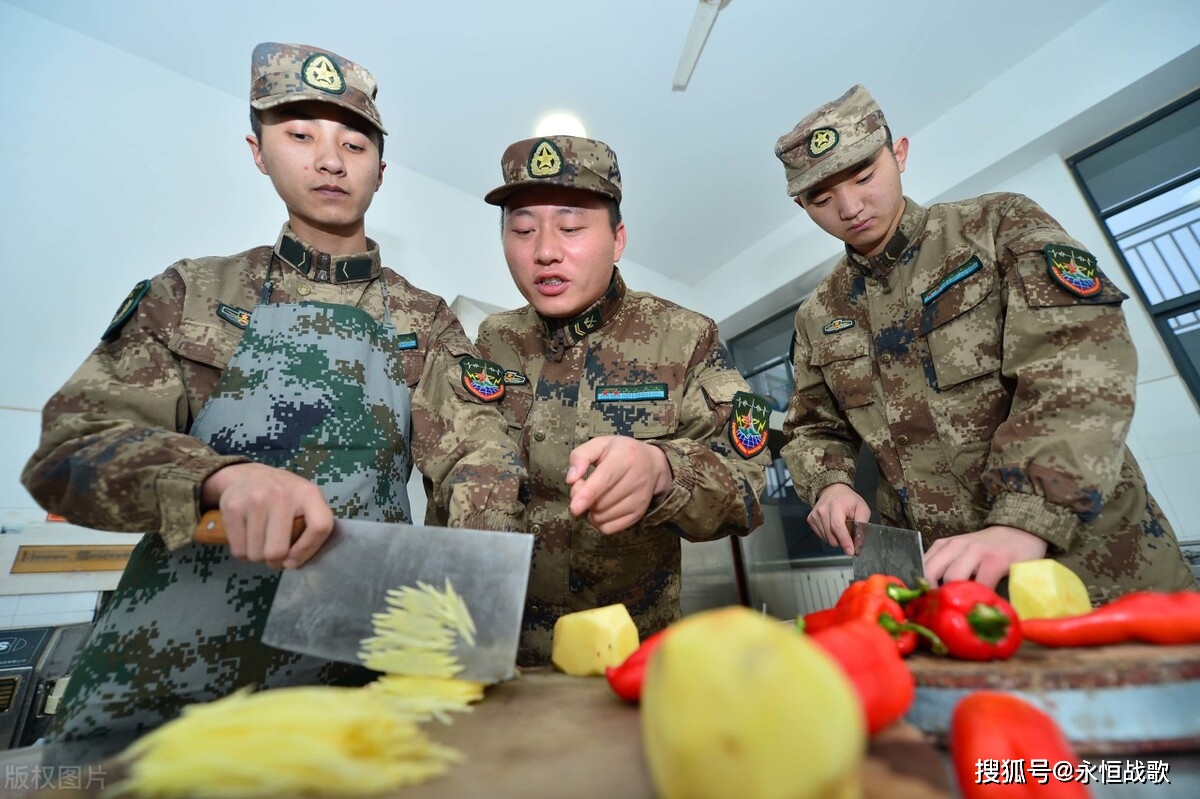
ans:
(320, 72)
(483, 379)
(838, 325)
(1074, 270)
(748, 423)
(238, 317)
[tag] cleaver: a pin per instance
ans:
(324, 607)
(879, 549)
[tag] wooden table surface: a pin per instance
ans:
(549, 735)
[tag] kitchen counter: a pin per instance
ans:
(548, 736)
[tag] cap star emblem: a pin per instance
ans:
(321, 73)
(821, 141)
(545, 160)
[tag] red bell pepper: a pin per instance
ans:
(972, 620)
(877, 599)
(626, 679)
(991, 732)
(1149, 617)
(869, 657)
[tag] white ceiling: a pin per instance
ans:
(461, 80)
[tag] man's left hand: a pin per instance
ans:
(626, 476)
(983, 556)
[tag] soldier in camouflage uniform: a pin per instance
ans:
(300, 380)
(982, 355)
(622, 383)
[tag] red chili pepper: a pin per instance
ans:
(990, 731)
(626, 679)
(868, 656)
(1149, 617)
(972, 620)
(877, 599)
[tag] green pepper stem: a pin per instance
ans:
(988, 622)
(936, 645)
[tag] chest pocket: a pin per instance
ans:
(844, 359)
(516, 404)
(962, 328)
(211, 344)
(642, 420)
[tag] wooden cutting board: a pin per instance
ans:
(548, 736)
(1107, 700)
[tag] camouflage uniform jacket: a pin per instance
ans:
(989, 392)
(634, 344)
(115, 454)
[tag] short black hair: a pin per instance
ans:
(369, 131)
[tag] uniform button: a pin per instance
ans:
(456, 523)
(304, 290)
(539, 436)
(885, 358)
(533, 609)
(872, 281)
(535, 528)
(902, 440)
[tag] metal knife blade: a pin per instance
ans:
(324, 608)
(879, 549)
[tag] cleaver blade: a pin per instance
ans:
(324, 608)
(879, 549)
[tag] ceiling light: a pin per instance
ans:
(560, 123)
(706, 15)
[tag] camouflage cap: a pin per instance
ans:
(289, 73)
(569, 161)
(837, 135)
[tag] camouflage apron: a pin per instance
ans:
(313, 388)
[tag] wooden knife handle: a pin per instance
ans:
(211, 529)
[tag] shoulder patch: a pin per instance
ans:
(838, 325)
(748, 424)
(483, 379)
(128, 306)
(1074, 270)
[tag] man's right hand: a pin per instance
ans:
(258, 504)
(835, 504)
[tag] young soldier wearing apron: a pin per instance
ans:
(303, 379)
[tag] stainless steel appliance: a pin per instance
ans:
(33, 661)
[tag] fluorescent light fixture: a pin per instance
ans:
(706, 15)
(560, 123)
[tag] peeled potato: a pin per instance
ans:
(1046, 589)
(737, 705)
(586, 642)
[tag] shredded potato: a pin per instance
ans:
(416, 635)
(324, 740)
(319, 740)
(424, 698)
